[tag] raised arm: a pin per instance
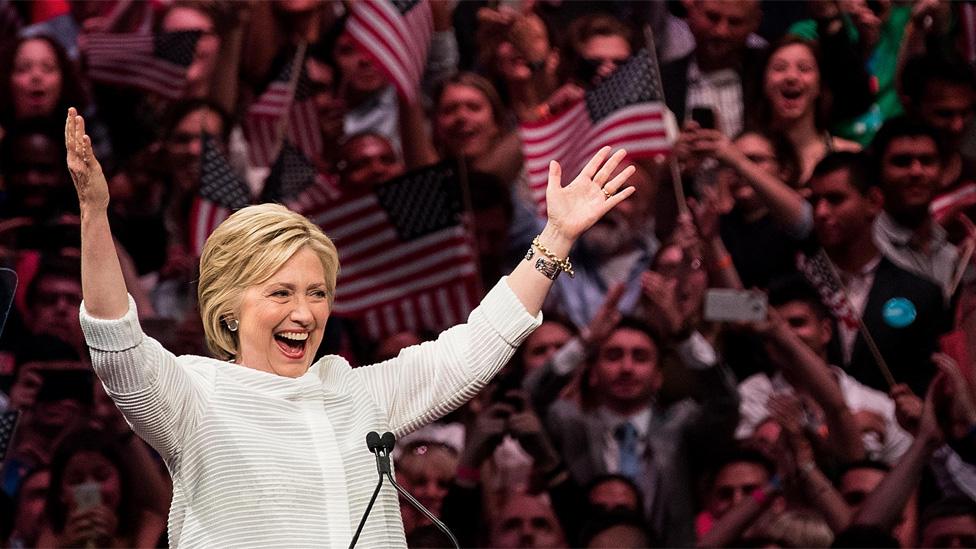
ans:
(572, 210)
(102, 283)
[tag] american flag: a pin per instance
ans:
(280, 105)
(154, 63)
(959, 199)
(407, 260)
(221, 193)
(624, 111)
(8, 425)
(820, 272)
(290, 175)
(396, 35)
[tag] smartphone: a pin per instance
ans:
(724, 305)
(87, 495)
(704, 116)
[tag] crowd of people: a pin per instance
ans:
(823, 160)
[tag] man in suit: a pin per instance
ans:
(902, 312)
(618, 427)
(723, 70)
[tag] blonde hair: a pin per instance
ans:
(245, 250)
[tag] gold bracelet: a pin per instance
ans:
(563, 264)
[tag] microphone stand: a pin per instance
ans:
(382, 447)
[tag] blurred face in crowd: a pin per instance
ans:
(606, 53)
(330, 107)
(359, 74)
(282, 319)
(626, 374)
(55, 309)
(947, 107)
(368, 160)
(720, 29)
(759, 150)
(692, 280)
(512, 61)
(29, 515)
(526, 521)
(792, 83)
(614, 494)
(733, 483)
(37, 180)
(200, 72)
(185, 144)
(36, 79)
(464, 121)
(950, 531)
(841, 213)
(88, 466)
(620, 535)
(911, 173)
(543, 343)
(426, 470)
(815, 332)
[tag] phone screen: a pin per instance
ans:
(704, 116)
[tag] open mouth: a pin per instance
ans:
(292, 344)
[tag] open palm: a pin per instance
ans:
(576, 207)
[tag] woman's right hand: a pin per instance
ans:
(86, 172)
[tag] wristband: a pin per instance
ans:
(724, 262)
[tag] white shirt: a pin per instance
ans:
(260, 460)
(611, 450)
(720, 90)
(756, 390)
(858, 287)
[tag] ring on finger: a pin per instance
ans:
(605, 193)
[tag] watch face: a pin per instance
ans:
(548, 268)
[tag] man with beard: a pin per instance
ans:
(617, 249)
(617, 426)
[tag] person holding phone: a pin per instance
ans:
(265, 447)
(91, 502)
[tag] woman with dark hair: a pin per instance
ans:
(796, 103)
(37, 79)
(91, 501)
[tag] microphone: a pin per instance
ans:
(388, 441)
(382, 447)
(375, 445)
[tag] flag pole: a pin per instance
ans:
(675, 169)
(868, 338)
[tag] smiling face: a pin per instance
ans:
(464, 121)
(792, 83)
(911, 171)
(36, 80)
(282, 319)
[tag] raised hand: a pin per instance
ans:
(576, 207)
(86, 172)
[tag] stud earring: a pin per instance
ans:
(232, 324)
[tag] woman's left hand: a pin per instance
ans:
(576, 207)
